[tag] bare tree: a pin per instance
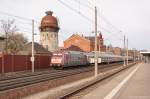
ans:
(14, 41)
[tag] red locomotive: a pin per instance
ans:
(63, 59)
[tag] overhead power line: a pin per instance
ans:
(83, 4)
(90, 20)
(23, 18)
(19, 17)
(99, 14)
(76, 11)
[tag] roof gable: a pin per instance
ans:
(77, 36)
(37, 48)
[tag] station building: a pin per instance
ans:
(146, 54)
(85, 43)
(118, 51)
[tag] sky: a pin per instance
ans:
(116, 18)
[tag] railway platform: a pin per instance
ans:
(64, 91)
(130, 84)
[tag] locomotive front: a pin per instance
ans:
(57, 59)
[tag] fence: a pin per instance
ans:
(13, 63)
(0, 64)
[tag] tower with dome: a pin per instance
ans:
(49, 32)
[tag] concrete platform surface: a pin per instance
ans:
(138, 87)
(134, 83)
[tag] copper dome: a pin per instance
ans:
(49, 21)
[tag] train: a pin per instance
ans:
(63, 59)
(104, 57)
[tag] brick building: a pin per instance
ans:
(117, 51)
(86, 44)
(122, 51)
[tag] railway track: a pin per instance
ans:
(24, 74)
(32, 78)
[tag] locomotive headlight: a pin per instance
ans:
(59, 60)
(52, 59)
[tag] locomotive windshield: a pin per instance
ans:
(57, 54)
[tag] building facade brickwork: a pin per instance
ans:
(117, 51)
(87, 44)
(80, 42)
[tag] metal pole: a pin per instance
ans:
(99, 44)
(134, 55)
(32, 58)
(138, 56)
(96, 61)
(127, 51)
(124, 51)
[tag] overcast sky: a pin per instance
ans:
(117, 18)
